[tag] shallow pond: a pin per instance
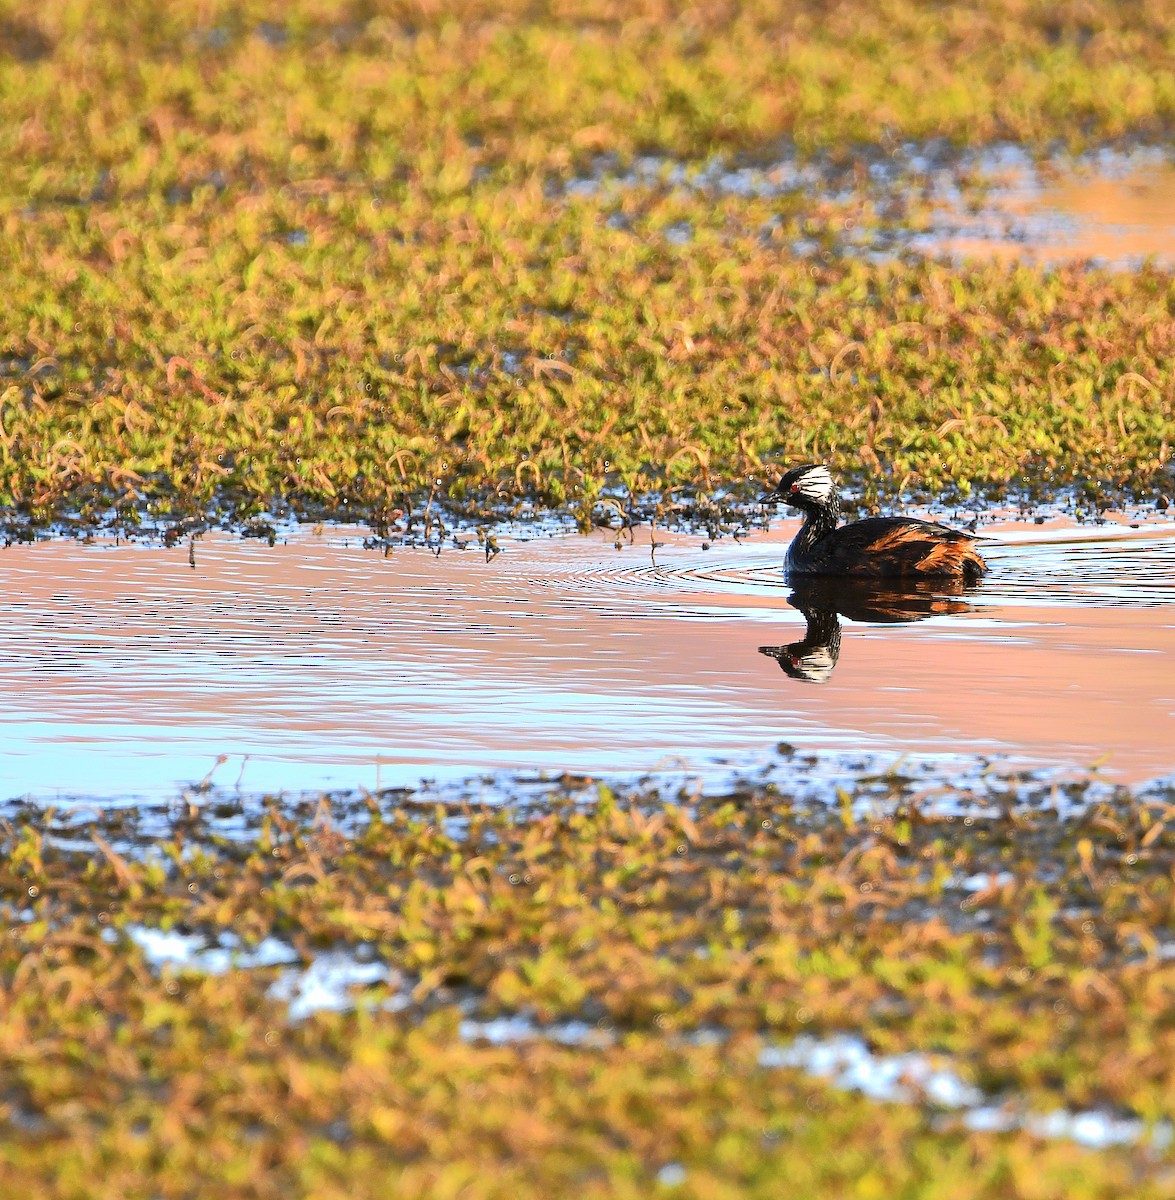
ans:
(127, 672)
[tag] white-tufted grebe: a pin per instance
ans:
(876, 546)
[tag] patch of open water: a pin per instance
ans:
(127, 673)
(1114, 206)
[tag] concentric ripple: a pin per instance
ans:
(1113, 567)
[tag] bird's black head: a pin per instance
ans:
(809, 486)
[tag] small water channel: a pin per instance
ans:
(126, 672)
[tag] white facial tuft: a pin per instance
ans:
(816, 484)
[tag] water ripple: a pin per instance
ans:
(123, 671)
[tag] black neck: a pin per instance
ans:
(819, 521)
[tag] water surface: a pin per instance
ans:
(126, 672)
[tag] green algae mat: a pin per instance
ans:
(383, 261)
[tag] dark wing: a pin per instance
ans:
(901, 546)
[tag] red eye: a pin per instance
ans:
(795, 487)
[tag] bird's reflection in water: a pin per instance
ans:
(824, 601)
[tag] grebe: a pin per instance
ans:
(876, 546)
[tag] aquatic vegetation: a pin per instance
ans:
(316, 256)
(1014, 928)
(544, 353)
